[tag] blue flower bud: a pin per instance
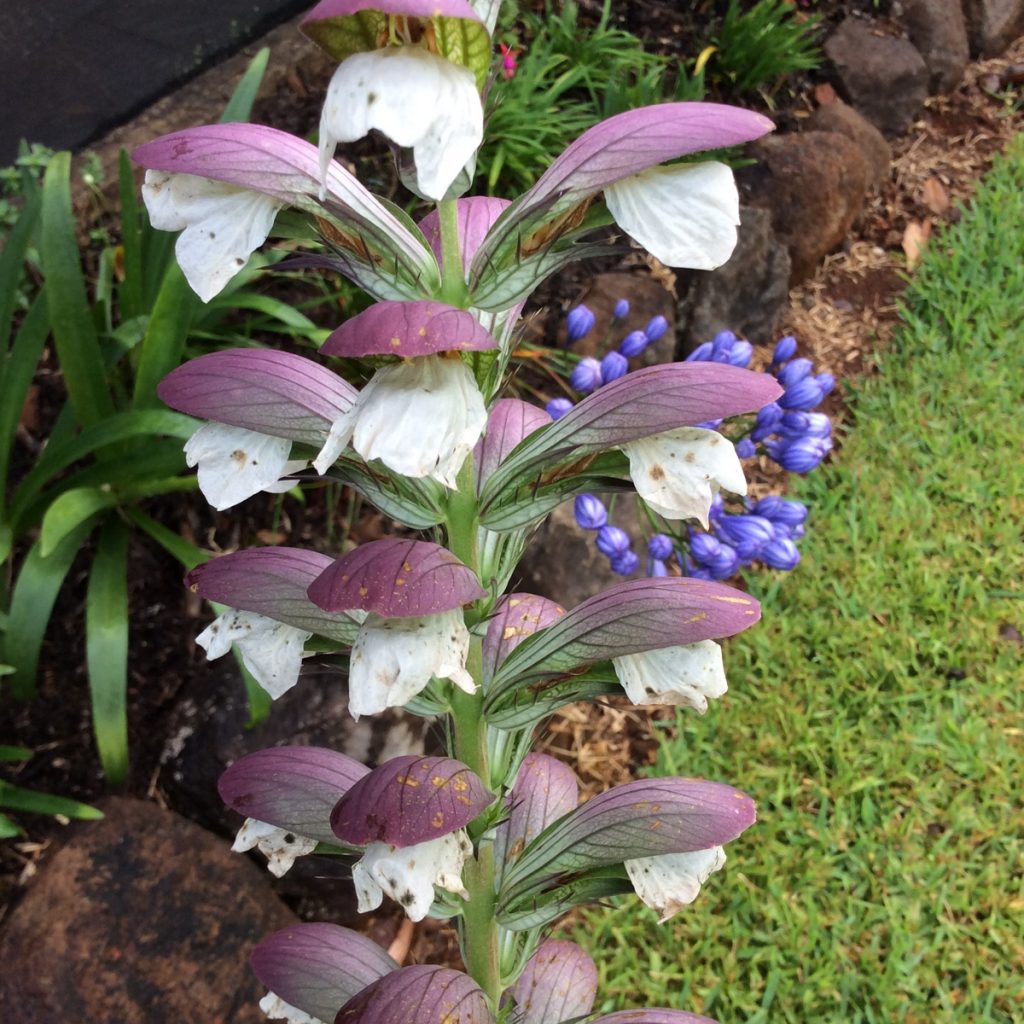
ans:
(657, 568)
(612, 541)
(769, 415)
(795, 371)
(579, 321)
(660, 547)
(699, 573)
(800, 455)
(818, 425)
(621, 310)
(589, 511)
(781, 511)
(656, 328)
(613, 366)
(745, 448)
(804, 394)
(586, 376)
(704, 547)
(710, 424)
(785, 349)
(716, 507)
(558, 407)
(780, 554)
(741, 353)
(633, 344)
(724, 564)
(701, 354)
(625, 564)
(826, 382)
(723, 342)
(748, 533)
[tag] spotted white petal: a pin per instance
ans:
(394, 659)
(277, 1009)
(221, 225)
(270, 650)
(279, 846)
(678, 473)
(421, 417)
(416, 99)
(235, 463)
(669, 882)
(690, 674)
(408, 875)
(685, 215)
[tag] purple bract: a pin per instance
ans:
(423, 994)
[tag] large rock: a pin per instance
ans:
(842, 118)
(884, 77)
(937, 29)
(814, 185)
(143, 918)
(993, 24)
(747, 294)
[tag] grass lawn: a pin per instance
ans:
(876, 713)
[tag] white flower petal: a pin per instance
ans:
(235, 463)
(685, 215)
(416, 99)
(679, 472)
(278, 845)
(277, 1009)
(672, 881)
(223, 225)
(420, 417)
(689, 674)
(408, 875)
(393, 659)
(270, 650)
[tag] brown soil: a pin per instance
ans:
(842, 316)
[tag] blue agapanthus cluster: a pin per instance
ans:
(790, 432)
(590, 373)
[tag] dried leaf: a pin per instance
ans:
(915, 237)
(935, 196)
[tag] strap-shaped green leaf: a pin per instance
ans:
(17, 798)
(106, 647)
(70, 510)
(239, 107)
(74, 335)
(31, 603)
(11, 259)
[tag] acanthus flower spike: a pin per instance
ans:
(422, 416)
(415, 631)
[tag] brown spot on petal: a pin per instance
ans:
(404, 780)
(690, 457)
(396, 342)
(239, 456)
(437, 821)
(656, 473)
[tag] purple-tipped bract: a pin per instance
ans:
(509, 422)
(396, 578)
(409, 800)
(477, 215)
(294, 788)
(421, 994)
(408, 329)
(559, 983)
(516, 617)
(317, 968)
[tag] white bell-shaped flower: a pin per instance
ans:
(421, 417)
(235, 463)
(684, 214)
(672, 881)
(678, 473)
(690, 674)
(278, 845)
(221, 225)
(270, 650)
(416, 99)
(393, 659)
(277, 1009)
(408, 875)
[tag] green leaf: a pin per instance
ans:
(106, 647)
(259, 699)
(74, 334)
(287, 315)
(69, 511)
(15, 753)
(164, 344)
(184, 551)
(34, 594)
(7, 828)
(464, 42)
(538, 909)
(16, 798)
(418, 504)
(11, 260)
(343, 36)
(531, 704)
(239, 107)
(130, 295)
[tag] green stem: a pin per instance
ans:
(453, 280)
(478, 927)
